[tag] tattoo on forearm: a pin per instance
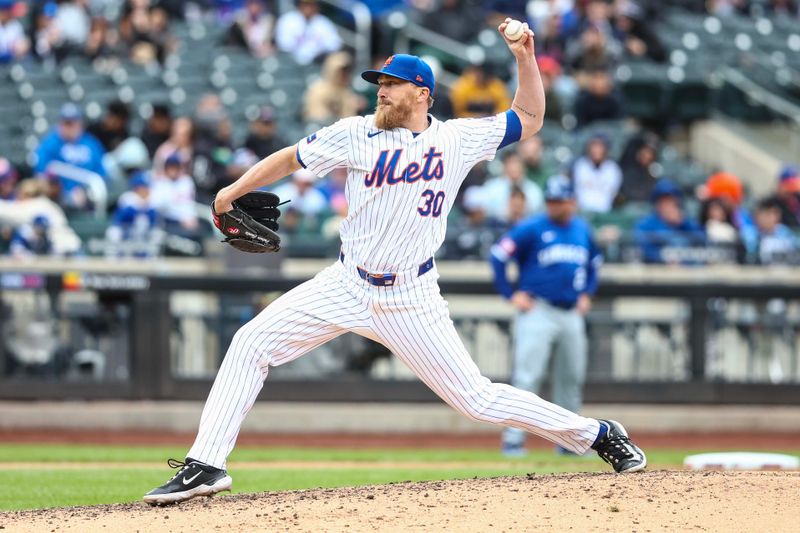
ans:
(532, 115)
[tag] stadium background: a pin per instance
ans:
(118, 300)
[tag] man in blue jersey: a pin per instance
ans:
(558, 263)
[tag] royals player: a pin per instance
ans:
(404, 170)
(558, 263)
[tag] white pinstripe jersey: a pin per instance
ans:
(400, 188)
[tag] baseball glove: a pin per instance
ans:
(252, 223)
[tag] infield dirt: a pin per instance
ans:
(649, 501)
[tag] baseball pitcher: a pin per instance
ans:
(404, 170)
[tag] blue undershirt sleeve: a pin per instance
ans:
(513, 129)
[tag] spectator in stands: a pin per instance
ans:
(776, 242)
(32, 201)
(101, 43)
(497, 10)
(14, 44)
(45, 32)
(598, 100)
(594, 50)
(595, 14)
(263, 139)
(114, 126)
(69, 143)
(72, 24)
(181, 140)
(550, 39)
(460, 20)
(8, 180)
(134, 229)
(536, 170)
(303, 196)
(788, 194)
(305, 33)
(129, 157)
(213, 148)
(144, 28)
(253, 28)
(517, 207)
(156, 130)
(636, 164)
(596, 177)
(550, 72)
(330, 228)
(717, 221)
(479, 93)
(663, 234)
(637, 35)
(498, 190)
(173, 196)
(334, 184)
(728, 188)
(225, 10)
(783, 8)
(32, 239)
(725, 8)
(472, 235)
(331, 97)
(242, 160)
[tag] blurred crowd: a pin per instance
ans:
(152, 184)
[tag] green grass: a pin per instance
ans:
(55, 487)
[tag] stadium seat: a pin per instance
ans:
(645, 90)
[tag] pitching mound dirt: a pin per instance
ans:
(651, 501)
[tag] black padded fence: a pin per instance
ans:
(117, 336)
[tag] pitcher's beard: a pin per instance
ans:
(389, 117)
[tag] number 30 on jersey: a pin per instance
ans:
(432, 203)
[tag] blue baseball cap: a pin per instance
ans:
(41, 221)
(5, 5)
(174, 159)
(406, 67)
(70, 112)
(789, 172)
(559, 187)
(665, 187)
(140, 179)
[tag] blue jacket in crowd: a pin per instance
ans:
(653, 234)
(86, 152)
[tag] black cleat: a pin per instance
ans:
(616, 449)
(193, 479)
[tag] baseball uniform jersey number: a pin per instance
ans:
(434, 201)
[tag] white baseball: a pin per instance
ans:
(514, 30)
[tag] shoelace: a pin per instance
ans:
(174, 463)
(615, 448)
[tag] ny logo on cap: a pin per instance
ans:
(419, 78)
(388, 61)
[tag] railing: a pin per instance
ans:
(81, 335)
(760, 95)
(94, 184)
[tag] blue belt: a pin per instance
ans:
(387, 279)
(562, 305)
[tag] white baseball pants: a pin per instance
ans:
(411, 319)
